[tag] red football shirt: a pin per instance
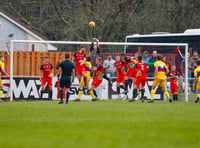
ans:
(78, 57)
(99, 72)
(130, 65)
(46, 69)
(173, 80)
(142, 69)
(120, 66)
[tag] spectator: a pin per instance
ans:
(145, 56)
(94, 51)
(109, 66)
(193, 62)
(151, 62)
(164, 59)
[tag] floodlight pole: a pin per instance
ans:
(11, 70)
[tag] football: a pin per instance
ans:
(92, 24)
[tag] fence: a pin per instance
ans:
(28, 63)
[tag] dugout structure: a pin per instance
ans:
(12, 43)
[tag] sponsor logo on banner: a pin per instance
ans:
(30, 87)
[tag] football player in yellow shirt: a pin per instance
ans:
(88, 68)
(160, 78)
(2, 71)
(197, 81)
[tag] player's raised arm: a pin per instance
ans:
(74, 57)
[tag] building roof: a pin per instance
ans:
(25, 28)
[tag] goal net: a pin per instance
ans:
(26, 57)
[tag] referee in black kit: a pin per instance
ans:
(66, 70)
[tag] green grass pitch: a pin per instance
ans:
(113, 124)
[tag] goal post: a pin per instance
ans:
(12, 42)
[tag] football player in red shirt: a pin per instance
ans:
(120, 67)
(98, 77)
(79, 59)
(130, 74)
(46, 76)
(142, 70)
(174, 82)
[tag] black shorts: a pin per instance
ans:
(65, 81)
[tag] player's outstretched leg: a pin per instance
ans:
(108, 79)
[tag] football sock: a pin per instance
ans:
(92, 94)
(130, 82)
(80, 92)
(142, 91)
(118, 90)
(41, 95)
(175, 97)
(134, 93)
(50, 95)
(1, 93)
(67, 96)
(61, 95)
(126, 86)
(153, 94)
(167, 94)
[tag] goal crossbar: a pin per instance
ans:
(100, 43)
